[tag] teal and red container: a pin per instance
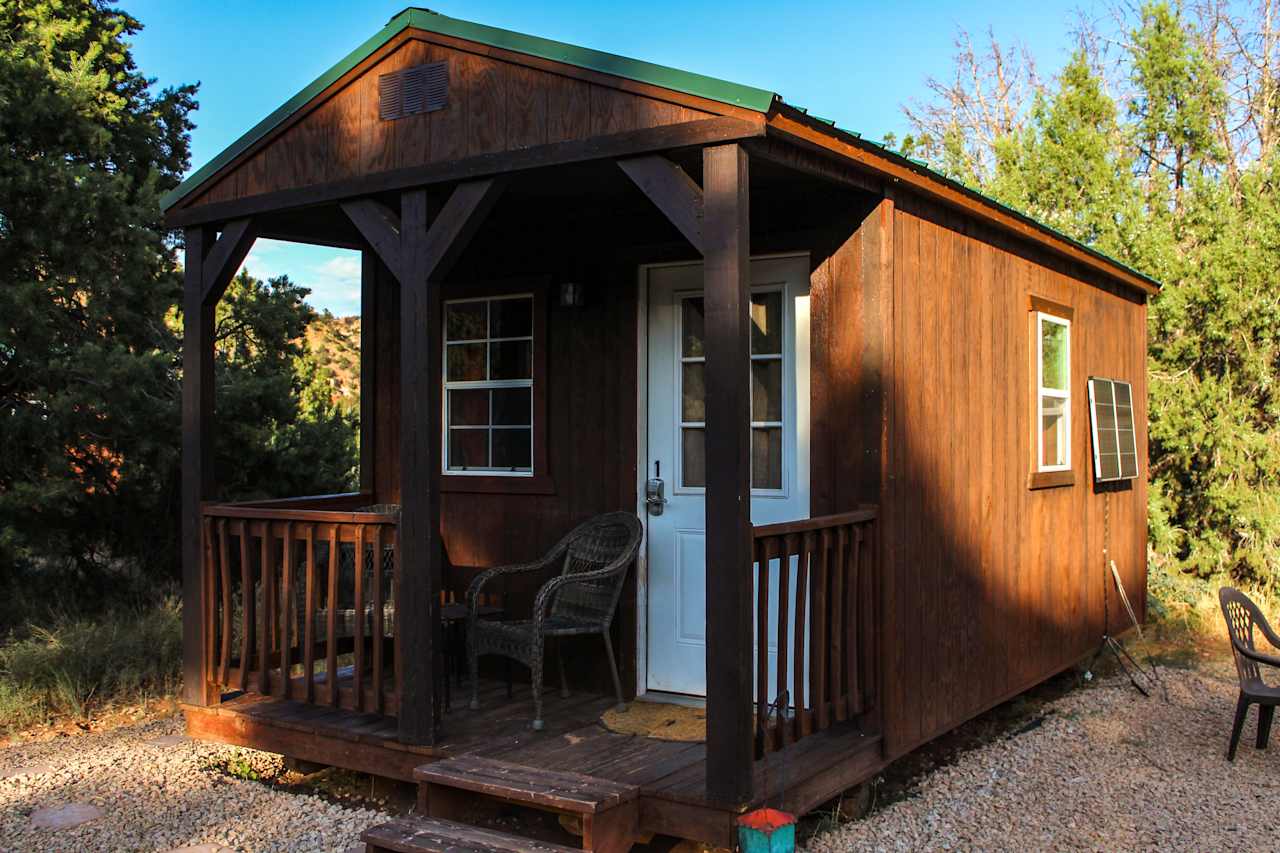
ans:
(767, 831)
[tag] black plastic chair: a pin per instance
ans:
(1243, 616)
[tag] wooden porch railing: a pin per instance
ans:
(816, 617)
(302, 602)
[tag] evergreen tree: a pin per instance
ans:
(88, 419)
(279, 431)
(1068, 167)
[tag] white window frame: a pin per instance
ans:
(1042, 392)
(487, 385)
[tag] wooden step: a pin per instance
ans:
(609, 810)
(432, 835)
(550, 789)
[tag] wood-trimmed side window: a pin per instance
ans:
(1051, 393)
(493, 417)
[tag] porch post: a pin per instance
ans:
(208, 266)
(726, 283)
(197, 460)
(418, 537)
(368, 376)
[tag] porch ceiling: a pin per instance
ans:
(599, 197)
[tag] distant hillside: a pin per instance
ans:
(335, 344)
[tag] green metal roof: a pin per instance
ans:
(424, 19)
(698, 85)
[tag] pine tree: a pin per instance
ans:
(87, 415)
(1068, 167)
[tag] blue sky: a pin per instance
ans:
(853, 62)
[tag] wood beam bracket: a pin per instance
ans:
(673, 192)
(225, 257)
(380, 227)
(452, 229)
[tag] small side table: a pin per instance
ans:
(453, 619)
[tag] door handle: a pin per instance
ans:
(654, 501)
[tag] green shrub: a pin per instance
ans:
(75, 665)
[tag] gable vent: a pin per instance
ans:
(410, 91)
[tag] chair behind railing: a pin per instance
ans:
(289, 614)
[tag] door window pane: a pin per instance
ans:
(693, 458)
(766, 458)
(766, 390)
(693, 391)
(693, 325)
(766, 323)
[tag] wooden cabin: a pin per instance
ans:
(847, 397)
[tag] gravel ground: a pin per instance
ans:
(158, 791)
(1106, 770)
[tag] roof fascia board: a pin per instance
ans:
(800, 128)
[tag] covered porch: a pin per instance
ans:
(572, 237)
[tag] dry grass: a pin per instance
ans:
(74, 668)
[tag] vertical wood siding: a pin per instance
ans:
(991, 586)
(494, 105)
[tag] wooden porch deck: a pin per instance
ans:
(671, 776)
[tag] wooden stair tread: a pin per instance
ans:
(432, 835)
(556, 789)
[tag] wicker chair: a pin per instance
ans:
(594, 558)
(1243, 616)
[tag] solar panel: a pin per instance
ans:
(1115, 447)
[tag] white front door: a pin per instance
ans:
(676, 593)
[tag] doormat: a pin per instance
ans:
(659, 721)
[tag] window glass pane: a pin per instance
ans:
(766, 323)
(511, 360)
(468, 448)
(469, 408)
(466, 321)
(692, 328)
(693, 392)
(511, 449)
(766, 458)
(1053, 431)
(766, 390)
(465, 362)
(1054, 355)
(511, 318)
(694, 458)
(511, 407)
